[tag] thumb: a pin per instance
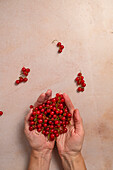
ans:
(78, 124)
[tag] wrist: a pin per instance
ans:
(71, 154)
(73, 161)
(40, 160)
(44, 154)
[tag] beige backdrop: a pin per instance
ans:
(27, 29)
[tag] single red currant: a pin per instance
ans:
(32, 123)
(30, 128)
(40, 121)
(34, 113)
(83, 84)
(56, 122)
(40, 116)
(31, 118)
(17, 81)
(43, 132)
(39, 129)
(1, 113)
(79, 74)
(65, 130)
(61, 46)
(52, 136)
(23, 69)
(31, 106)
(28, 70)
(79, 89)
(77, 79)
(21, 79)
(25, 79)
(46, 133)
(58, 44)
(60, 50)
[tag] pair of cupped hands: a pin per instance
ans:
(69, 143)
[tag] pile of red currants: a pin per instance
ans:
(80, 82)
(23, 78)
(50, 118)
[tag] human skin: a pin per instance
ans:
(70, 144)
(41, 148)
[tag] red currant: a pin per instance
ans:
(30, 128)
(77, 79)
(52, 136)
(61, 46)
(79, 74)
(56, 122)
(40, 121)
(23, 69)
(31, 118)
(32, 123)
(25, 79)
(31, 106)
(21, 79)
(17, 81)
(58, 44)
(60, 50)
(83, 84)
(79, 89)
(28, 70)
(1, 113)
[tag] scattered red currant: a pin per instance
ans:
(80, 82)
(60, 50)
(24, 73)
(17, 81)
(25, 79)
(61, 47)
(1, 113)
(58, 44)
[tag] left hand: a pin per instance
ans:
(38, 142)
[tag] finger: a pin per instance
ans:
(68, 103)
(78, 123)
(48, 94)
(40, 100)
(27, 118)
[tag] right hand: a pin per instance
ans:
(71, 142)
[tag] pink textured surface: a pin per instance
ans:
(27, 29)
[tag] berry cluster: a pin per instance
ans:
(24, 73)
(80, 82)
(1, 113)
(50, 118)
(61, 47)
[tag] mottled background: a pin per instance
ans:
(27, 29)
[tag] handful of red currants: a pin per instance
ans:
(50, 118)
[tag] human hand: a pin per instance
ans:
(38, 141)
(70, 143)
